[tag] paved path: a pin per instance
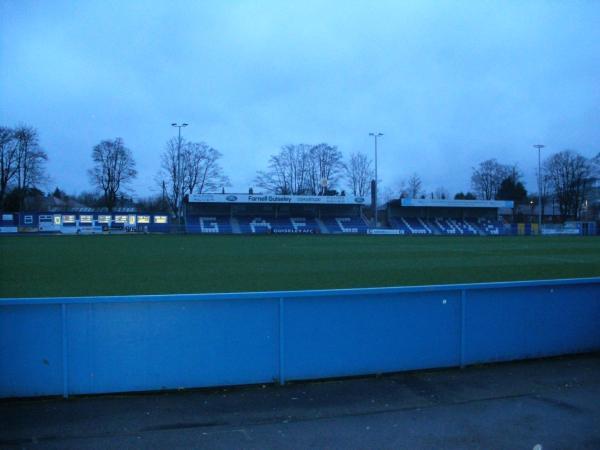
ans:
(554, 403)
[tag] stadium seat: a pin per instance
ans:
(491, 227)
(446, 226)
(354, 225)
(412, 225)
(282, 225)
(455, 227)
(208, 224)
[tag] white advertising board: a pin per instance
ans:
(283, 199)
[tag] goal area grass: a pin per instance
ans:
(49, 266)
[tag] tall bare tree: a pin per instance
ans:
(359, 173)
(386, 194)
(486, 178)
(570, 176)
(113, 170)
(201, 169)
(326, 165)
(595, 161)
(30, 161)
(8, 160)
(414, 186)
(170, 176)
(441, 193)
(288, 171)
(188, 167)
(302, 169)
(402, 189)
(595, 166)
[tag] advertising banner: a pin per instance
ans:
(282, 199)
(292, 231)
(380, 231)
(569, 229)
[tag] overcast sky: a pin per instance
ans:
(449, 83)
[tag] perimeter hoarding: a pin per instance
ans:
(278, 199)
(99, 345)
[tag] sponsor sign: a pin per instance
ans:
(570, 229)
(292, 231)
(380, 231)
(90, 230)
(273, 198)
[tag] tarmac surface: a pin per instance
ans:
(542, 404)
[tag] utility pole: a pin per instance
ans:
(375, 136)
(539, 147)
(179, 177)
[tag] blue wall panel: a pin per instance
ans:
(31, 350)
(533, 321)
(150, 345)
(361, 334)
(65, 346)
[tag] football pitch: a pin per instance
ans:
(43, 266)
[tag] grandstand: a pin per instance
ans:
(265, 214)
(274, 214)
(447, 217)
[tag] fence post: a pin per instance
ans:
(281, 344)
(463, 339)
(65, 349)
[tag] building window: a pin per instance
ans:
(120, 219)
(160, 219)
(69, 218)
(56, 220)
(103, 219)
(86, 219)
(28, 220)
(143, 219)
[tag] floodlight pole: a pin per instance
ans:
(375, 136)
(180, 178)
(539, 147)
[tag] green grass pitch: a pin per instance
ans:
(43, 266)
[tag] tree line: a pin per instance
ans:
(297, 169)
(22, 166)
(320, 169)
(566, 178)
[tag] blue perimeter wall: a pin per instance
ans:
(88, 345)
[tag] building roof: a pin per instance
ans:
(439, 203)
